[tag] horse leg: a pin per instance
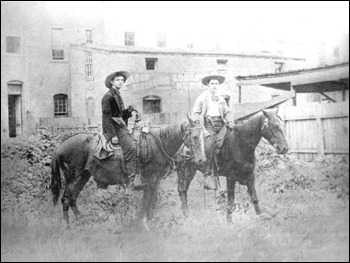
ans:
(153, 200)
(145, 205)
(185, 174)
(252, 193)
(78, 186)
(231, 184)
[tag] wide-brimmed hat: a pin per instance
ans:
(206, 79)
(112, 75)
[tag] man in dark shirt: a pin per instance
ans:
(115, 122)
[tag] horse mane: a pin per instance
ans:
(172, 131)
(249, 125)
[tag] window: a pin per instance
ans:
(189, 45)
(280, 48)
(336, 52)
(13, 45)
(321, 56)
(217, 47)
(61, 105)
(151, 63)
(129, 38)
(263, 46)
(222, 64)
(88, 64)
(279, 67)
(57, 44)
(151, 104)
(161, 40)
(88, 33)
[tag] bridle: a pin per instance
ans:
(189, 143)
(266, 122)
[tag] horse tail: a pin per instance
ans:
(55, 178)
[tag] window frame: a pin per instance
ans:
(154, 60)
(60, 105)
(19, 43)
(149, 102)
(88, 65)
(57, 48)
(161, 40)
(222, 64)
(128, 40)
(89, 37)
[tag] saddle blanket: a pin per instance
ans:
(102, 149)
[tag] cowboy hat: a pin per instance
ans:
(206, 79)
(113, 75)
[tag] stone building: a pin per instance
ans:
(164, 80)
(35, 60)
(54, 62)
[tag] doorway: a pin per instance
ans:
(15, 120)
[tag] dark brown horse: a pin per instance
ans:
(236, 160)
(75, 160)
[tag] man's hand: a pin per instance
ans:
(230, 125)
(131, 108)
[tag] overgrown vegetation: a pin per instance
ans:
(297, 199)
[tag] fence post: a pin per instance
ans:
(320, 137)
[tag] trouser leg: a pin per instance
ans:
(129, 151)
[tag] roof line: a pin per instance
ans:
(292, 72)
(168, 52)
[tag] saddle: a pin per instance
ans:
(102, 149)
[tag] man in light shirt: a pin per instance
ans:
(211, 110)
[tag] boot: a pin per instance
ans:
(135, 182)
(210, 182)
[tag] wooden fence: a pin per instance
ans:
(318, 130)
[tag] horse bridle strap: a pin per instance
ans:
(188, 130)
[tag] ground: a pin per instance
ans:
(305, 217)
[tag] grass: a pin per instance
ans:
(305, 217)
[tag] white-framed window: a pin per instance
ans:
(129, 38)
(161, 40)
(89, 36)
(222, 64)
(60, 105)
(151, 63)
(13, 44)
(57, 39)
(88, 65)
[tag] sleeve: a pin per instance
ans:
(228, 113)
(107, 121)
(197, 110)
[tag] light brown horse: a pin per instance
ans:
(75, 160)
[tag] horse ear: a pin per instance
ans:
(267, 114)
(190, 120)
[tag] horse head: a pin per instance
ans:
(194, 140)
(272, 130)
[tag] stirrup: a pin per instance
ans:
(135, 182)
